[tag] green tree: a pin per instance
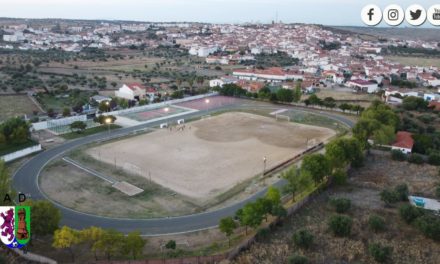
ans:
(285, 95)
(78, 126)
(93, 235)
(171, 244)
(317, 165)
(104, 106)
(376, 223)
(303, 238)
(66, 112)
(110, 242)
(104, 119)
(329, 102)
(340, 177)
(66, 238)
(429, 225)
(389, 197)
(252, 216)
(402, 192)
(341, 205)
(45, 217)
(297, 93)
(227, 225)
(380, 253)
(411, 103)
(273, 195)
(340, 225)
(298, 259)
(409, 213)
(314, 100)
(296, 181)
(133, 244)
(344, 151)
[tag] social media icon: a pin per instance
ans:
(415, 15)
(371, 15)
(433, 14)
(393, 15)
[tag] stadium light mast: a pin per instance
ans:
(108, 121)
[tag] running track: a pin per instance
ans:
(25, 180)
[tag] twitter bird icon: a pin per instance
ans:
(416, 15)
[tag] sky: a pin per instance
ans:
(330, 12)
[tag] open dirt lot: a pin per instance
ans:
(212, 155)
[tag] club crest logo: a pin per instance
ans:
(15, 225)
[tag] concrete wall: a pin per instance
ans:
(21, 153)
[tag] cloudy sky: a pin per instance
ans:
(329, 12)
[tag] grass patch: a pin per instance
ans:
(6, 149)
(89, 131)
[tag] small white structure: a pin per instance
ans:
(164, 125)
(363, 86)
(181, 121)
(131, 92)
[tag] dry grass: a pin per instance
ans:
(15, 105)
(409, 245)
(415, 61)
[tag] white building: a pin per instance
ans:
(363, 86)
(132, 91)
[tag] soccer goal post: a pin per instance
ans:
(282, 118)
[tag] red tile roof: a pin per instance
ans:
(133, 86)
(404, 140)
(434, 105)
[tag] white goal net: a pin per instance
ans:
(282, 118)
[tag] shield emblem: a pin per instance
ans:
(22, 224)
(15, 225)
(7, 224)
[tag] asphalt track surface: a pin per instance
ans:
(25, 180)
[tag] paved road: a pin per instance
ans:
(25, 180)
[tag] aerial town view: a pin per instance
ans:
(219, 131)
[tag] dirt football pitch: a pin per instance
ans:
(210, 156)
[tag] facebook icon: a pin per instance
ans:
(371, 15)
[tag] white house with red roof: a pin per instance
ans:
(133, 91)
(404, 142)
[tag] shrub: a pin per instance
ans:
(341, 205)
(171, 244)
(389, 197)
(298, 259)
(262, 233)
(340, 225)
(376, 223)
(437, 191)
(340, 177)
(434, 159)
(398, 155)
(380, 253)
(429, 225)
(303, 238)
(410, 213)
(402, 192)
(416, 159)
